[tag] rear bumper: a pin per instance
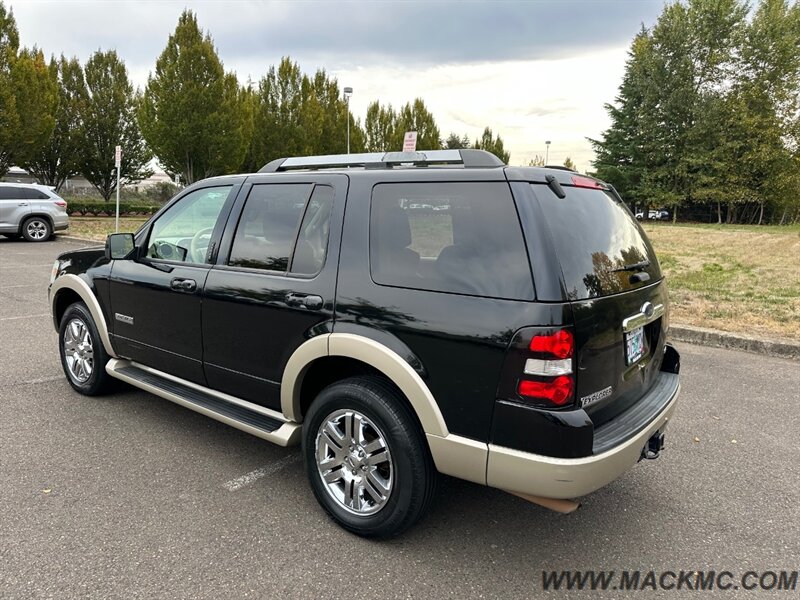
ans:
(60, 222)
(517, 471)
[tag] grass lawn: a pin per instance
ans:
(738, 278)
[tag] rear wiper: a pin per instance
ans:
(639, 266)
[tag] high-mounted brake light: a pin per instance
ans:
(558, 391)
(560, 345)
(587, 182)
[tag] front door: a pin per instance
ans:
(274, 282)
(156, 298)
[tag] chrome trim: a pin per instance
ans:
(641, 318)
(287, 434)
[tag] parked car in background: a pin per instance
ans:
(660, 214)
(32, 211)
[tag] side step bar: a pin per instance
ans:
(254, 419)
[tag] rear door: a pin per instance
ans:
(14, 207)
(619, 300)
(273, 284)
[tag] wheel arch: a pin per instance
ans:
(70, 288)
(35, 215)
(375, 358)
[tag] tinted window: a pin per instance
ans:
(268, 226)
(312, 241)
(463, 238)
(11, 193)
(595, 236)
(183, 232)
(34, 194)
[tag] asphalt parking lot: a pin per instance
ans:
(130, 496)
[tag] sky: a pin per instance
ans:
(533, 71)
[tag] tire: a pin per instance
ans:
(37, 229)
(399, 478)
(83, 356)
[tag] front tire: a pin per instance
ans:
(367, 459)
(83, 356)
(37, 229)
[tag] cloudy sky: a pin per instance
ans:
(532, 70)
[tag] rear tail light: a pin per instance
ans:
(547, 377)
(60, 203)
(558, 391)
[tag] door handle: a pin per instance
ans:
(183, 285)
(311, 302)
(23, 204)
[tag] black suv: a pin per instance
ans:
(512, 333)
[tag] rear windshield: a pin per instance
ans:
(596, 237)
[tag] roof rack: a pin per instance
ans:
(468, 158)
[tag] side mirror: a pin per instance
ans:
(119, 246)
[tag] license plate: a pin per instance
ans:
(634, 345)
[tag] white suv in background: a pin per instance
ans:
(32, 211)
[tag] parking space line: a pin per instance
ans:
(8, 287)
(24, 317)
(252, 476)
(25, 266)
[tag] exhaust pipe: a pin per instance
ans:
(556, 504)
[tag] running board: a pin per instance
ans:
(254, 419)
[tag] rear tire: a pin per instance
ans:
(83, 356)
(37, 229)
(367, 459)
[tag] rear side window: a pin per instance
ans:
(284, 228)
(596, 239)
(462, 238)
(34, 194)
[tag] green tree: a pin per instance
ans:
(570, 164)
(536, 161)
(58, 159)
(108, 118)
(193, 114)
(28, 97)
(380, 125)
(492, 144)
(453, 142)
(415, 116)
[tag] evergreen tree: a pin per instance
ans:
(492, 144)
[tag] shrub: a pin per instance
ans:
(83, 208)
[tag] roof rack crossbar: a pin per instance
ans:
(380, 160)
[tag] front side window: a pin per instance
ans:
(462, 238)
(183, 232)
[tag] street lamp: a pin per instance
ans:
(547, 152)
(348, 91)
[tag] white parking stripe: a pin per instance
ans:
(248, 478)
(24, 317)
(8, 287)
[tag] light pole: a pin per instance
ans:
(547, 152)
(348, 91)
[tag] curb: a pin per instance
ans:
(77, 240)
(723, 339)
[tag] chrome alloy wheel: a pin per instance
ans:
(354, 462)
(37, 229)
(78, 350)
